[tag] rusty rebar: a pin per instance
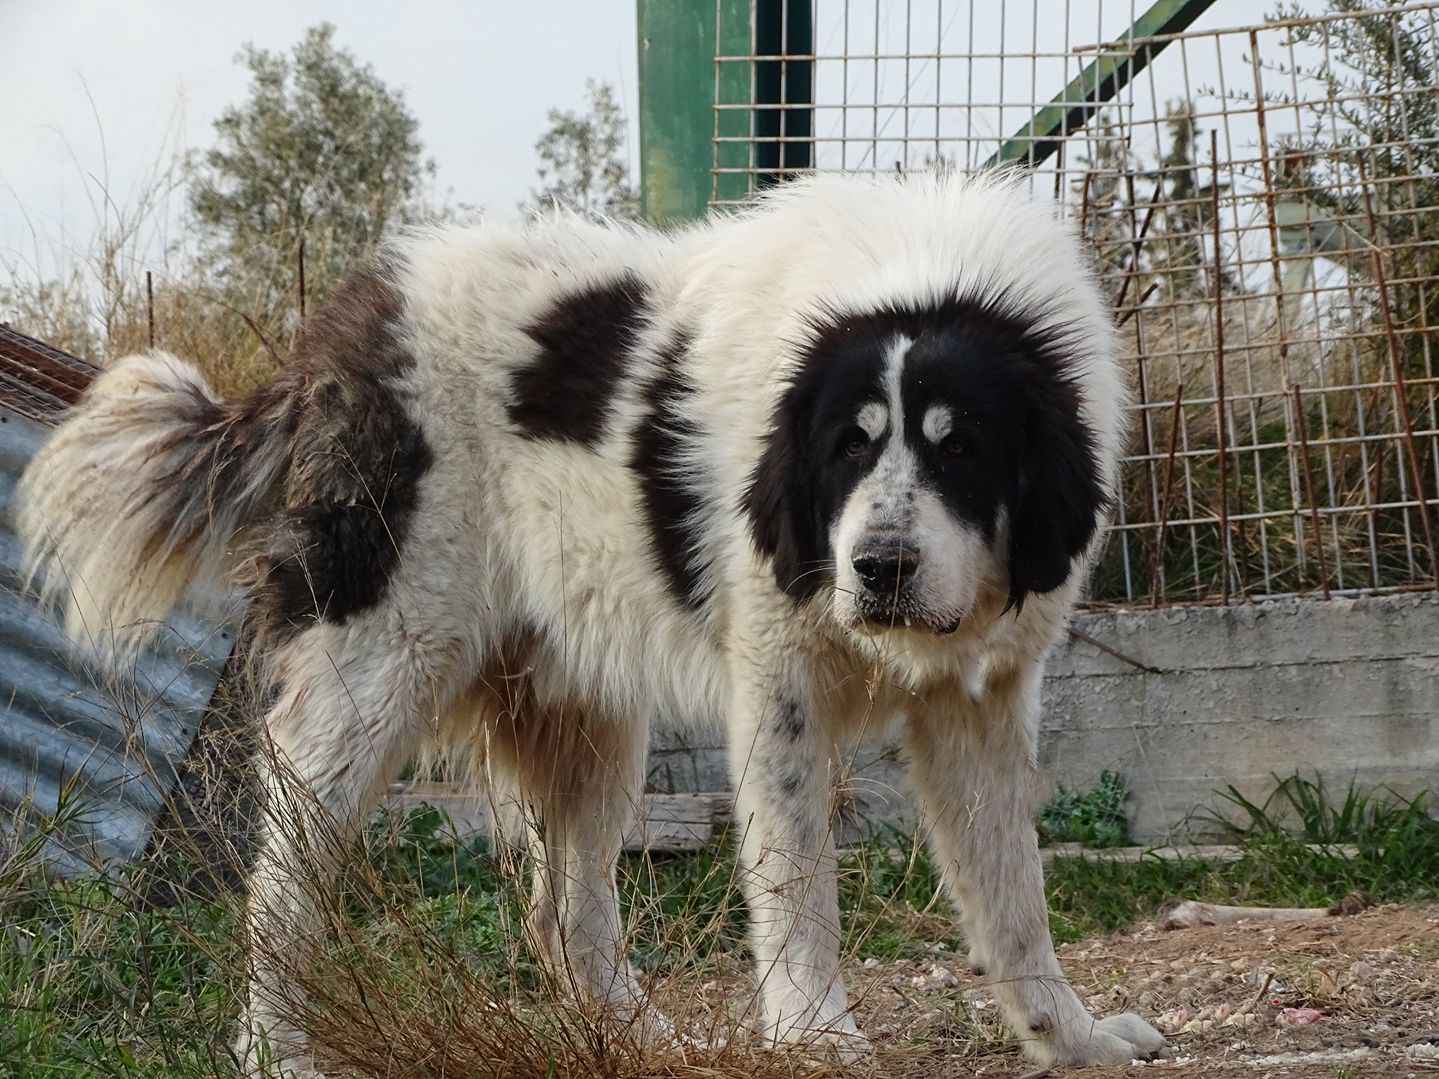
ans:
(1130, 312)
(1132, 274)
(301, 260)
(1271, 214)
(1111, 651)
(1303, 428)
(1396, 364)
(1157, 561)
(1138, 242)
(150, 305)
(1223, 426)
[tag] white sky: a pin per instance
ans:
(95, 93)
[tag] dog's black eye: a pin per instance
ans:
(856, 443)
(953, 446)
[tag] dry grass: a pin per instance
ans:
(416, 966)
(131, 275)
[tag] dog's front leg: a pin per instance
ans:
(780, 757)
(975, 770)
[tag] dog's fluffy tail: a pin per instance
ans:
(141, 492)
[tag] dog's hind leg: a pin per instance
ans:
(582, 778)
(348, 717)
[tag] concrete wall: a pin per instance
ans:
(1347, 688)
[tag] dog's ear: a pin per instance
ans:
(1060, 496)
(780, 507)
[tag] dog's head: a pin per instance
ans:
(922, 460)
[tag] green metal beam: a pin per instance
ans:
(1099, 82)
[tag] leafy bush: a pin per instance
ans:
(1094, 817)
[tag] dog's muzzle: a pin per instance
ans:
(890, 594)
(886, 570)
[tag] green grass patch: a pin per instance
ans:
(1094, 817)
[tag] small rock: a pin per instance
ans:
(936, 977)
(1172, 1021)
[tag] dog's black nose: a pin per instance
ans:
(886, 570)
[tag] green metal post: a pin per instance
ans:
(676, 85)
(1098, 83)
(733, 156)
(678, 43)
(714, 120)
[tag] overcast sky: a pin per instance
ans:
(94, 94)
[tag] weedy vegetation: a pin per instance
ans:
(421, 970)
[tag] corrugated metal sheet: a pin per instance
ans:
(102, 751)
(37, 380)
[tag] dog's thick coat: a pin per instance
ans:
(829, 467)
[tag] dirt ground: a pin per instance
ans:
(1335, 997)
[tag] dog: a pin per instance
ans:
(833, 465)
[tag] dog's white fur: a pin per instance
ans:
(533, 554)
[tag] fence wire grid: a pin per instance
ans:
(1263, 205)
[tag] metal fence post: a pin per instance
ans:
(678, 43)
(726, 89)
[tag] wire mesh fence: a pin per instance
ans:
(1263, 205)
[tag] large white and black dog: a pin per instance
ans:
(833, 464)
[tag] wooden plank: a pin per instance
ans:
(670, 823)
(1212, 854)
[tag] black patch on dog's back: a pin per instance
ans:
(671, 503)
(585, 343)
(356, 462)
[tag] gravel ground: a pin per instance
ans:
(1334, 997)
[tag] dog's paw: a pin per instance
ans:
(1116, 1040)
(840, 1041)
(849, 1045)
(654, 1032)
(269, 1050)
(267, 1066)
